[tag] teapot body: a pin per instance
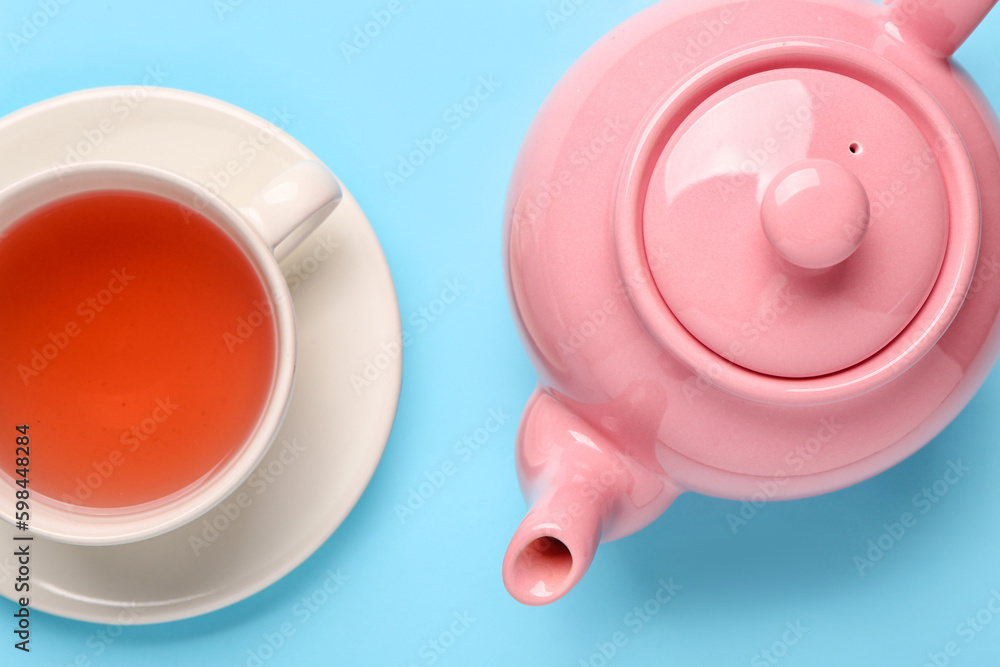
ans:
(640, 396)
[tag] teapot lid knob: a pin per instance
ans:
(815, 213)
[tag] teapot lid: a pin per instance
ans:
(808, 216)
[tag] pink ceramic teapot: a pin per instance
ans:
(749, 247)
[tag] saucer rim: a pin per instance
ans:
(100, 611)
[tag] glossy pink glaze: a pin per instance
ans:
(816, 213)
(688, 335)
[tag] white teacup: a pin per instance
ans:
(275, 221)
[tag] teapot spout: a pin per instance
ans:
(940, 26)
(553, 548)
(582, 490)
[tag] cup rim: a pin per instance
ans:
(53, 519)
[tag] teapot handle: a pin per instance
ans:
(940, 26)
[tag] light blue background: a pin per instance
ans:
(793, 562)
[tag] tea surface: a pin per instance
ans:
(136, 341)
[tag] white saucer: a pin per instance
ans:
(347, 315)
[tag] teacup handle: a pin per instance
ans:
(291, 206)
